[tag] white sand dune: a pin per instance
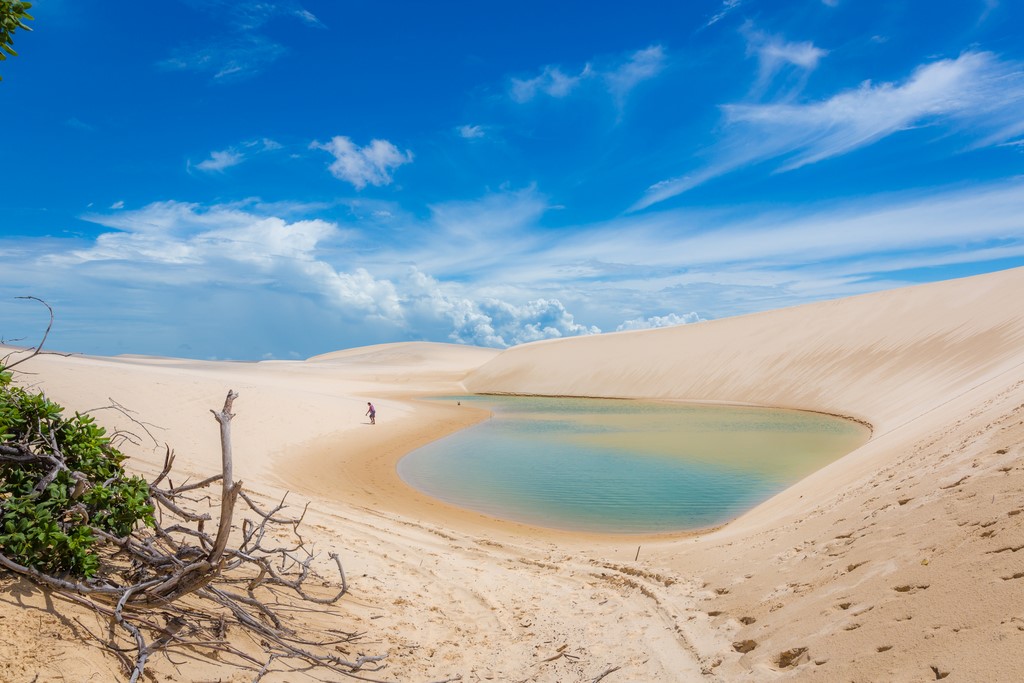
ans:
(900, 561)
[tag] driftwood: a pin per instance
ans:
(175, 587)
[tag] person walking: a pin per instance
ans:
(372, 412)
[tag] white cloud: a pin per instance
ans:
(177, 233)
(175, 249)
(990, 7)
(975, 94)
(727, 7)
(362, 166)
(226, 158)
(489, 321)
(471, 132)
(776, 55)
(264, 145)
(659, 321)
(617, 76)
(220, 160)
(845, 238)
(233, 58)
(247, 15)
(308, 17)
(119, 204)
(551, 81)
(642, 65)
(485, 271)
(773, 52)
(245, 51)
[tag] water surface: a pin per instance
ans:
(624, 466)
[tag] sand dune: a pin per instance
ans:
(898, 562)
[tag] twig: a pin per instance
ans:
(605, 673)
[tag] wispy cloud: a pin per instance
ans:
(362, 166)
(774, 54)
(244, 51)
(727, 7)
(641, 66)
(940, 224)
(509, 280)
(249, 15)
(975, 95)
(219, 161)
(471, 132)
(990, 7)
(186, 246)
(74, 122)
(230, 59)
(617, 76)
(552, 81)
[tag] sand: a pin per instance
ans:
(900, 561)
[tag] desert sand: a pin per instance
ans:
(899, 562)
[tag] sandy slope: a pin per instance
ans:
(898, 562)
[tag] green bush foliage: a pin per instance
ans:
(65, 484)
(13, 15)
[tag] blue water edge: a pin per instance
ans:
(622, 466)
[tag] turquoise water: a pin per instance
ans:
(624, 466)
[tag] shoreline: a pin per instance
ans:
(370, 479)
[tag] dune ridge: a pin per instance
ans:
(897, 562)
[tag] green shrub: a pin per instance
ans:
(52, 526)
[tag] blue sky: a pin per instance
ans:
(281, 178)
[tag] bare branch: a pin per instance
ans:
(35, 351)
(158, 567)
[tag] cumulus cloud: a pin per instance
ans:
(177, 249)
(489, 321)
(178, 233)
(975, 94)
(362, 166)
(483, 272)
(659, 321)
(509, 324)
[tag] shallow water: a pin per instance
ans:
(624, 466)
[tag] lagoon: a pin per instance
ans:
(624, 466)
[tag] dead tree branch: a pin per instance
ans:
(38, 348)
(175, 586)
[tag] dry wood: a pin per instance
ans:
(190, 576)
(601, 675)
